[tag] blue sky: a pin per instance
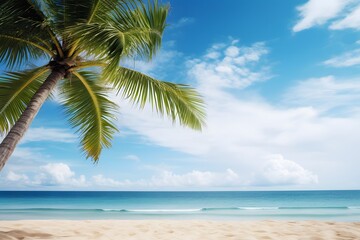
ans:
(281, 83)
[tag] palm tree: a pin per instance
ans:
(84, 43)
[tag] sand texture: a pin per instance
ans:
(181, 229)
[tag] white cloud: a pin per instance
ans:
(319, 12)
(165, 179)
(26, 153)
(325, 93)
(347, 59)
(196, 179)
(279, 171)
(51, 174)
(59, 174)
(232, 51)
(213, 55)
(352, 20)
(11, 176)
(240, 131)
(132, 157)
(48, 134)
(100, 180)
(25, 159)
(182, 22)
(229, 66)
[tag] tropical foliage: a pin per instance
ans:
(85, 42)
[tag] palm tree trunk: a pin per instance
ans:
(9, 143)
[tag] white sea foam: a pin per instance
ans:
(165, 210)
(258, 208)
(354, 207)
(152, 210)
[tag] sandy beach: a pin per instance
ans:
(180, 229)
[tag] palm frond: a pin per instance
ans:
(89, 111)
(16, 91)
(180, 102)
(64, 13)
(131, 30)
(22, 18)
(15, 49)
(43, 8)
(101, 9)
(99, 40)
(21, 28)
(146, 23)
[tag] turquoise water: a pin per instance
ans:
(282, 205)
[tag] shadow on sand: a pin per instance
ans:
(19, 235)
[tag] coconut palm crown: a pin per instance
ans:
(85, 42)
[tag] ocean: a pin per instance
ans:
(241, 205)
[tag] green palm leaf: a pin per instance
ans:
(64, 13)
(21, 16)
(99, 40)
(131, 30)
(68, 13)
(89, 111)
(145, 25)
(15, 51)
(178, 101)
(16, 90)
(22, 36)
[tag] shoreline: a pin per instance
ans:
(177, 229)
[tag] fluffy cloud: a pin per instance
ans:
(319, 12)
(59, 174)
(196, 179)
(276, 171)
(164, 179)
(325, 93)
(279, 171)
(100, 180)
(352, 20)
(25, 159)
(11, 176)
(51, 174)
(49, 134)
(229, 66)
(347, 59)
